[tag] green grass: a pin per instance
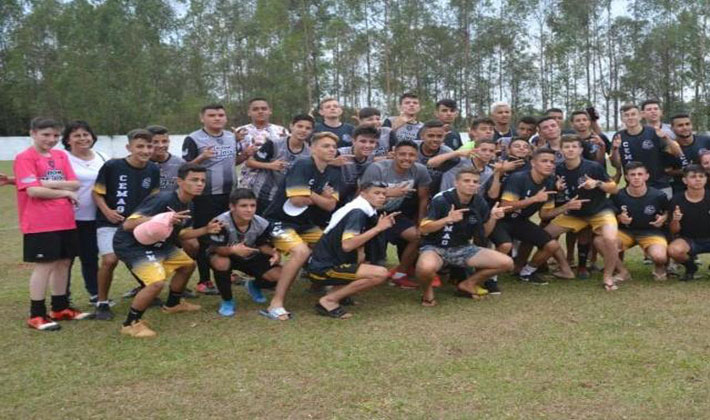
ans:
(568, 350)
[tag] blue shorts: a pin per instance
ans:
(698, 246)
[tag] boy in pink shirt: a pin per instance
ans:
(46, 186)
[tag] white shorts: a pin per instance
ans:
(104, 238)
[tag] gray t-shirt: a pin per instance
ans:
(448, 180)
(415, 177)
(220, 168)
(168, 172)
(266, 182)
(409, 131)
(437, 173)
(257, 234)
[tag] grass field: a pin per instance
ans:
(567, 350)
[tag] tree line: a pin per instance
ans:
(121, 64)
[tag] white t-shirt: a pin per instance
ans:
(86, 172)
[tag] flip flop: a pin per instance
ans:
(337, 313)
(610, 287)
(276, 314)
(429, 303)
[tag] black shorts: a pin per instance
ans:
(256, 266)
(401, 224)
(523, 230)
(207, 207)
(50, 246)
(338, 275)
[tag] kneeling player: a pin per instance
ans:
(642, 212)
(242, 245)
(454, 217)
(151, 254)
(338, 257)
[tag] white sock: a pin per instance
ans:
(527, 270)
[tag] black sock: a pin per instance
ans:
(133, 315)
(203, 264)
(224, 284)
(173, 299)
(582, 254)
(690, 265)
(60, 303)
(37, 308)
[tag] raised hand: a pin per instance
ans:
(214, 227)
(624, 217)
(677, 214)
(208, 153)
(589, 183)
(386, 221)
(542, 196)
(497, 212)
(511, 165)
(456, 215)
(239, 134)
(659, 221)
(400, 190)
(180, 216)
(560, 184)
(575, 203)
(616, 142)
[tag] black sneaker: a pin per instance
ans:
(104, 312)
(492, 287)
(94, 300)
(189, 294)
(534, 278)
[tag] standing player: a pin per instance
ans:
(502, 115)
(46, 194)
(652, 114)
(146, 244)
(167, 162)
(406, 126)
(120, 186)
(331, 111)
(433, 154)
(302, 205)
(480, 158)
(446, 112)
(595, 145)
(526, 128)
(455, 217)
(339, 257)
(360, 156)
(373, 117)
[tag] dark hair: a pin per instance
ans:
(432, 124)
(485, 141)
(40, 123)
(634, 164)
(528, 120)
(627, 107)
(140, 133)
(468, 170)
(483, 120)
(545, 118)
(241, 194)
(372, 184)
(303, 117)
(211, 106)
(157, 129)
(367, 131)
(571, 138)
(406, 95)
(407, 143)
(650, 102)
(516, 138)
(255, 99)
(186, 168)
(449, 103)
(73, 126)
(543, 151)
(367, 112)
(550, 110)
(679, 116)
(693, 168)
(579, 112)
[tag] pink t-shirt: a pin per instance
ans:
(40, 214)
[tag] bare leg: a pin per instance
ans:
(428, 264)
(298, 256)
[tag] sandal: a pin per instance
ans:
(429, 303)
(659, 277)
(610, 287)
(349, 301)
(337, 312)
(276, 314)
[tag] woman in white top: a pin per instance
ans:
(78, 139)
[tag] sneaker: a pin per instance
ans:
(189, 294)
(43, 323)
(207, 288)
(183, 306)
(492, 287)
(254, 291)
(480, 291)
(132, 293)
(69, 314)
(690, 269)
(582, 273)
(104, 313)
(405, 283)
(534, 278)
(227, 308)
(94, 300)
(138, 329)
(646, 260)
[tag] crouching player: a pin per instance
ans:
(454, 217)
(338, 257)
(641, 212)
(151, 255)
(243, 244)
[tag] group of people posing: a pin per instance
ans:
(330, 196)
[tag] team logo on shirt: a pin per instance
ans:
(219, 140)
(146, 183)
(647, 144)
(472, 219)
(649, 210)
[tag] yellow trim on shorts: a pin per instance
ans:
(341, 275)
(576, 223)
(154, 271)
(549, 205)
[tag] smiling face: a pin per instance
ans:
(45, 138)
(631, 118)
(404, 157)
(373, 120)
(363, 146)
(519, 149)
(140, 149)
(433, 137)
(80, 140)
(301, 130)
(161, 144)
(682, 127)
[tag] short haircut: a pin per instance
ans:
(140, 133)
(693, 168)
(650, 102)
(634, 164)
(372, 184)
(528, 119)
(303, 117)
(485, 141)
(325, 100)
(324, 135)
(368, 112)
(449, 103)
(256, 99)
(157, 129)
(571, 138)
(211, 106)
(545, 118)
(366, 131)
(514, 139)
(71, 127)
(406, 143)
(628, 107)
(679, 116)
(483, 120)
(432, 124)
(186, 168)
(551, 110)
(40, 123)
(543, 151)
(579, 112)
(406, 95)
(468, 170)
(241, 194)
(499, 104)
(702, 154)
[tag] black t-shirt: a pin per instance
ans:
(642, 210)
(648, 148)
(509, 134)
(302, 179)
(574, 178)
(459, 233)
(438, 172)
(352, 172)
(344, 132)
(520, 186)
(694, 223)
(155, 204)
(453, 140)
(124, 187)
